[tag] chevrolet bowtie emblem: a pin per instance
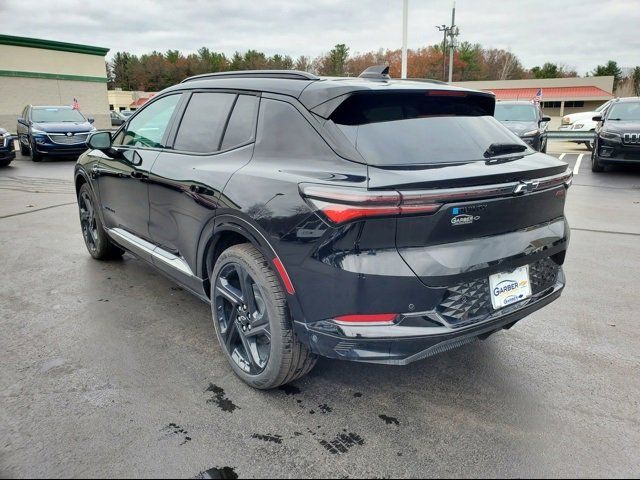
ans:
(525, 187)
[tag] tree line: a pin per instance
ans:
(157, 70)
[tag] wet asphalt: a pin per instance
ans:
(110, 369)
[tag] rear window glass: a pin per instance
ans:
(242, 123)
(426, 127)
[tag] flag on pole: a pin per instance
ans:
(538, 97)
(76, 104)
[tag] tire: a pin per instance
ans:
(95, 238)
(6, 162)
(24, 150)
(35, 156)
(544, 149)
(250, 313)
(596, 166)
(589, 146)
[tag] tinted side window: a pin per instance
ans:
(148, 127)
(203, 122)
(242, 123)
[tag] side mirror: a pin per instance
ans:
(91, 120)
(597, 118)
(100, 140)
(22, 121)
(545, 119)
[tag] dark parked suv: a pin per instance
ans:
(7, 153)
(363, 219)
(526, 120)
(54, 130)
(617, 134)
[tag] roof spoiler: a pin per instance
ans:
(379, 72)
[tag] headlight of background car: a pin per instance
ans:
(531, 133)
(566, 121)
(610, 135)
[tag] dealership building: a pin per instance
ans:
(559, 96)
(44, 72)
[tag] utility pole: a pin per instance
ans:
(405, 21)
(453, 33)
(445, 30)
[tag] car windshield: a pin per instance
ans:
(56, 114)
(627, 111)
(429, 127)
(515, 113)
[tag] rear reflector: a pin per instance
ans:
(284, 276)
(379, 318)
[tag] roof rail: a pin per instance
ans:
(380, 72)
(281, 74)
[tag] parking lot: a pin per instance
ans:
(110, 368)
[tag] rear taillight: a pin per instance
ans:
(343, 204)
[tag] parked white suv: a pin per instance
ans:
(583, 122)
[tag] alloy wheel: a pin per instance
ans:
(241, 312)
(88, 222)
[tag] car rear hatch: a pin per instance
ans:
(473, 200)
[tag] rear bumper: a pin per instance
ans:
(416, 336)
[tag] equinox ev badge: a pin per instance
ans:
(464, 219)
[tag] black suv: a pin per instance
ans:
(363, 219)
(526, 120)
(617, 134)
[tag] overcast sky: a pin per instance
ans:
(578, 33)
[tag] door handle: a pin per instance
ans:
(139, 175)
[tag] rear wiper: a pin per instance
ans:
(496, 149)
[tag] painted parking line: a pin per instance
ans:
(576, 168)
(562, 155)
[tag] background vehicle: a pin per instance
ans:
(7, 152)
(617, 134)
(526, 120)
(118, 118)
(583, 122)
(362, 219)
(54, 130)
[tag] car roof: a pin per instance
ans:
(42, 107)
(515, 102)
(309, 89)
(626, 99)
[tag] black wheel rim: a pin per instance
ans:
(88, 221)
(243, 320)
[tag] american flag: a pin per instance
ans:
(538, 96)
(76, 104)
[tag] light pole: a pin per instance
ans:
(405, 21)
